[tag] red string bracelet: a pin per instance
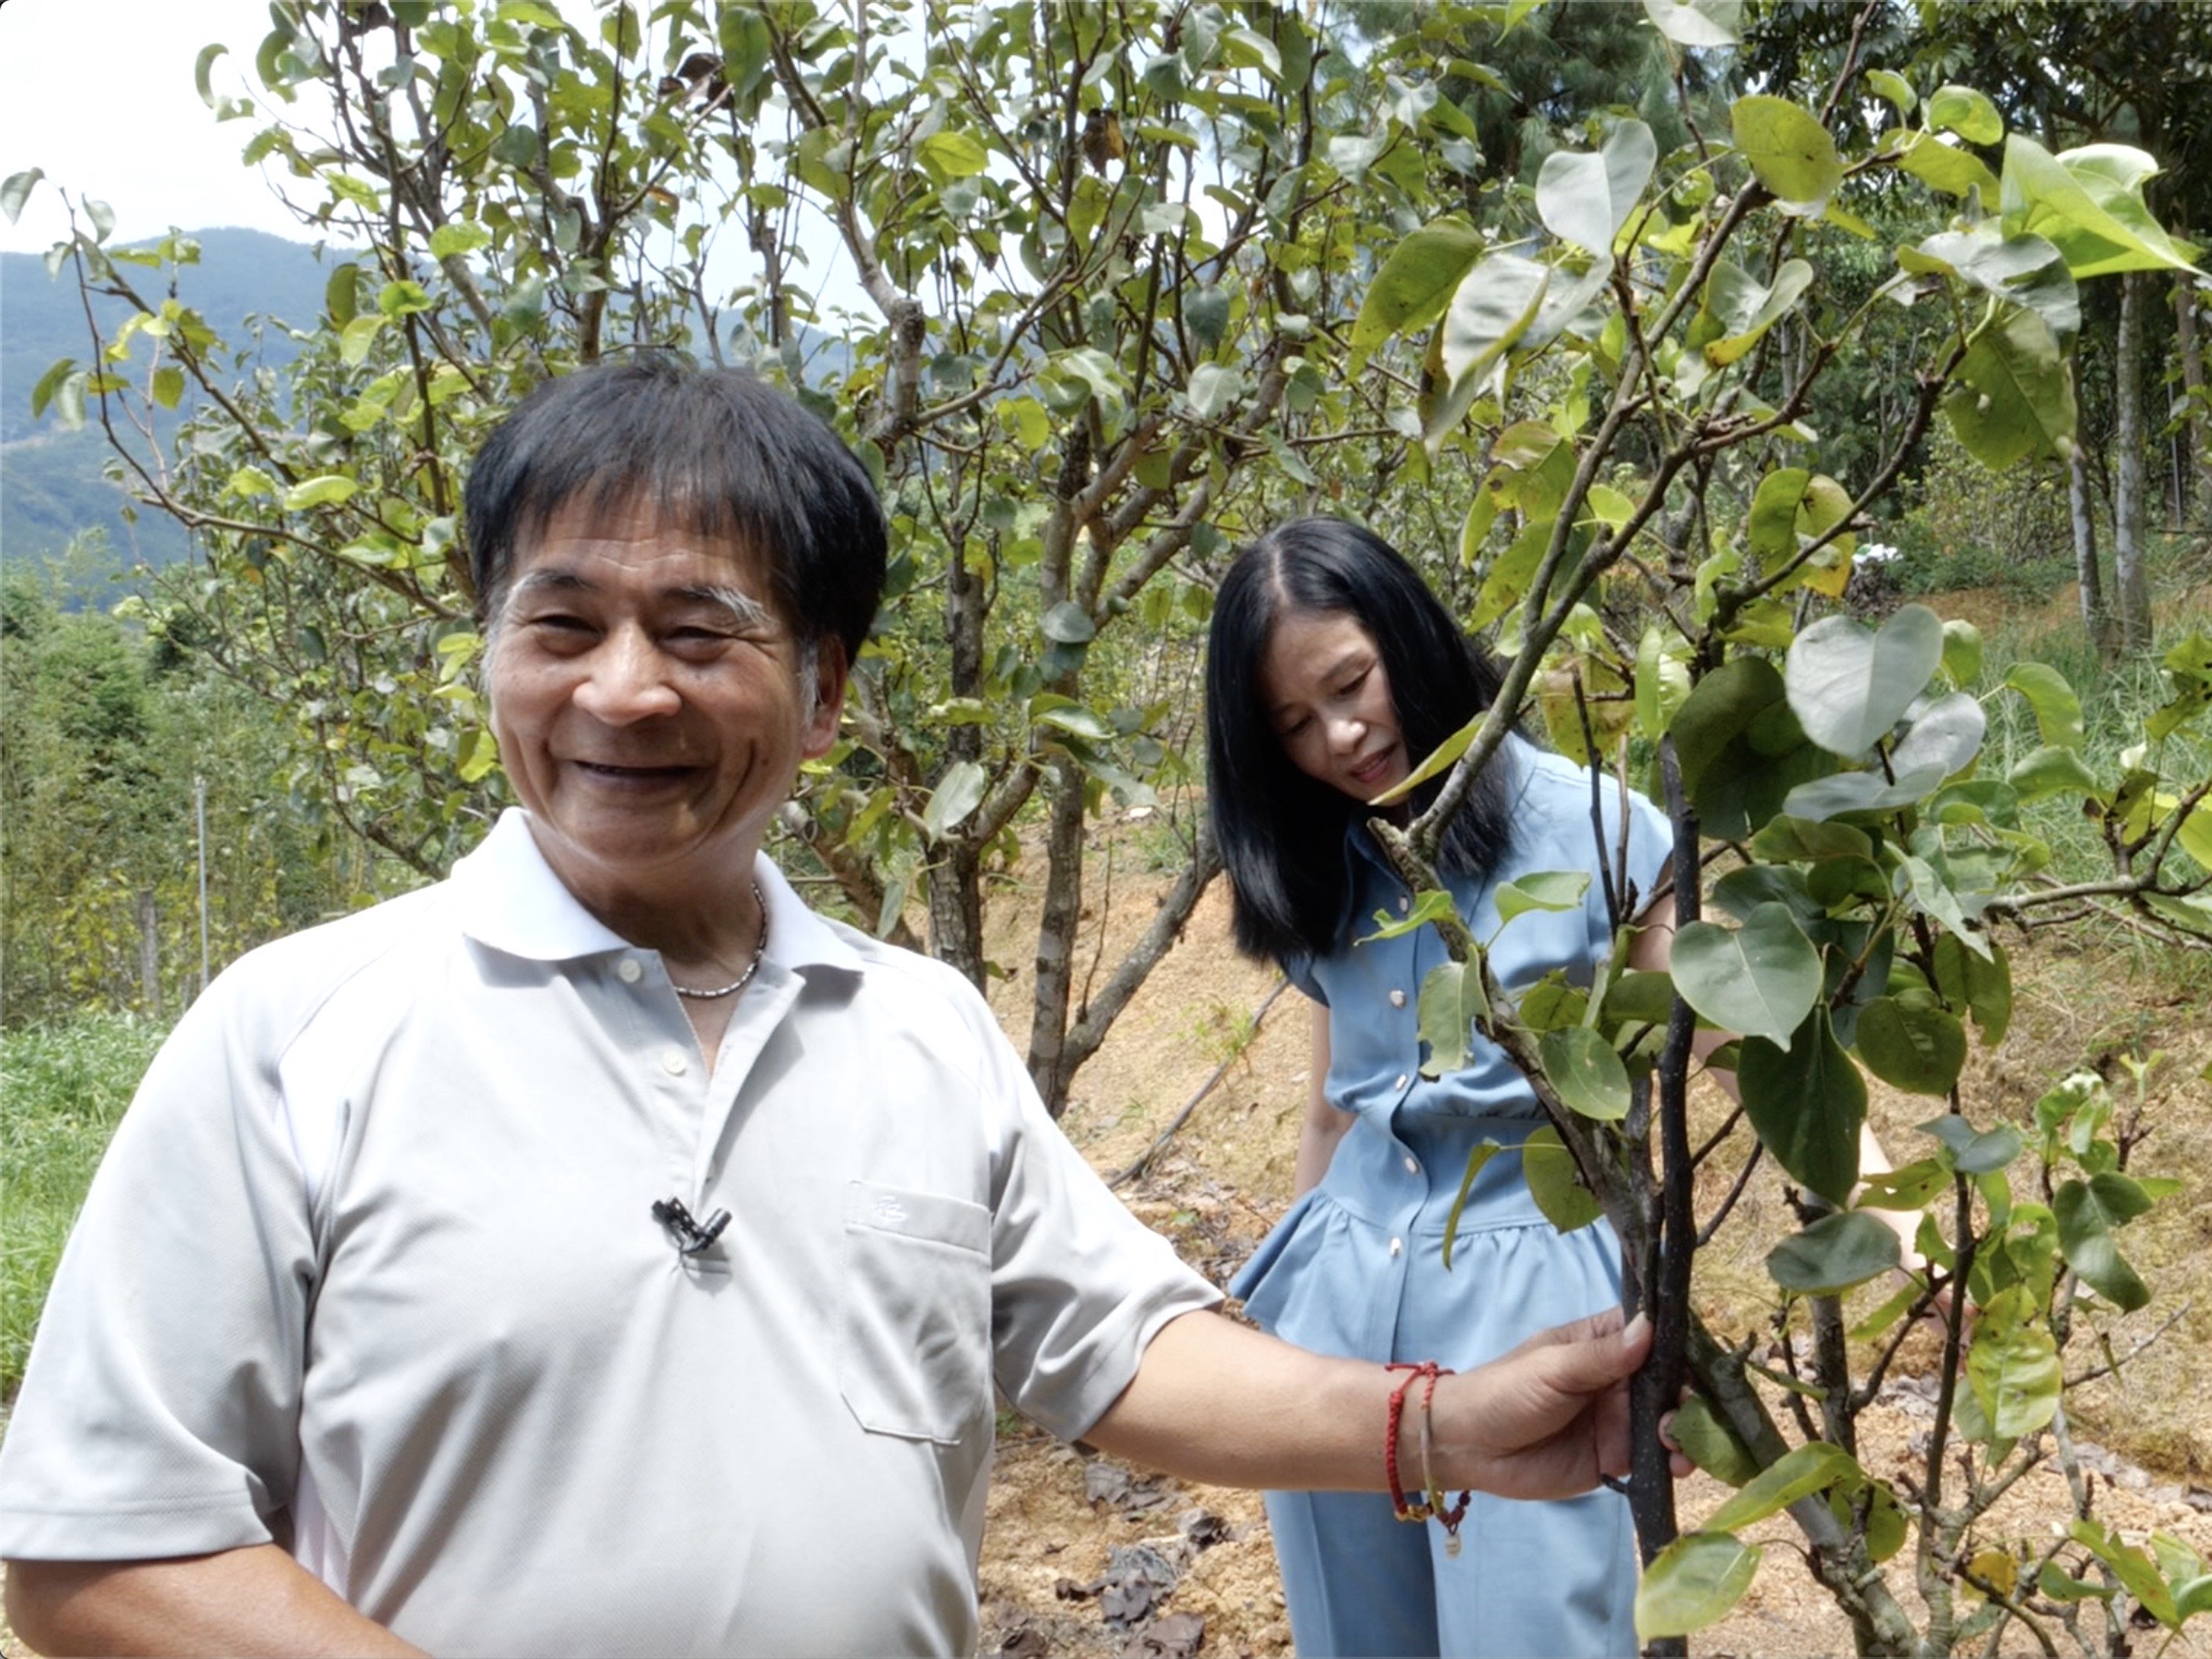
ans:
(1430, 1505)
(1452, 1516)
(1399, 1506)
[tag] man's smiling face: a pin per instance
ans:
(648, 701)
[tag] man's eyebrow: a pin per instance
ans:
(745, 609)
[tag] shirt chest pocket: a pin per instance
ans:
(915, 1349)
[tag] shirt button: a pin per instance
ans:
(1396, 1245)
(1412, 1164)
(1397, 998)
(1401, 1083)
(1405, 904)
(672, 1061)
(627, 971)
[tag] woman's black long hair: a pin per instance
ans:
(1281, 833)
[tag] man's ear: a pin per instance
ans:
(830, 671)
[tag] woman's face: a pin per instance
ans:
(1327, 694)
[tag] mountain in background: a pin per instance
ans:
(51, 482)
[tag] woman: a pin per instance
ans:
(1331, 672)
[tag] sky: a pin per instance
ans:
(99, 95)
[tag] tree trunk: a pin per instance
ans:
(2196, 459)
(1093, 1020)
(2096, 615)
(1056, 930)
(956, 908)
(150, 956)
(2132, 581)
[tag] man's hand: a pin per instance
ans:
(1546, 1420)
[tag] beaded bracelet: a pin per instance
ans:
(1432, 1503)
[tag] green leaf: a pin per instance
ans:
(1586, 199)
(403, 299)
(1947, 167)
(328, 490)
(1962, 651)
(2135, 1570)
(1697, 22)
(1793, 504)
(202, 76)
(1068, 623)
(49, 384)
(947, 155)
(1432, 905)
(2061, 1586)
(1981, 986)
(1893, 87)
(460, 237)
(1710, 1444)
(2015, 1376)
(1695, 1580)
(1491, 309)
(1213, 388)
(1849, 686)
(1206, 314)
(1737, 310)
(2050, 771)
(1550, 890)
(957, 795)
(1798, 1472)
(476, 754)
(1975, 1152)
(1554, 1184)
(2026, 270)
(16, 190)
(2087, 1212)
(2089, 202)
(1484, 1151)
(1417, 282)
(1910, 1045)
(1808, 1102)
(1967, 112)
(1442, 1018)
(168, 387)
(1585, 1072)
(1835, 1253)
(1788, 150)
(1760, 979)
(2015, 394)
(2057, 709)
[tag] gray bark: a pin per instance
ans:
(2130, 579)
(2196, 471)
(2096, 615)
(1056, 929)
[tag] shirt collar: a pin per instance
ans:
(511, 900)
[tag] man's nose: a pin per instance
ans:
(628, 681)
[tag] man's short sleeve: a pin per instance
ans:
(159, 1413)
(1078, 1285)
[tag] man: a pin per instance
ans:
(600, 1252)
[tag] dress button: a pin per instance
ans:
(1412, 1164)
(1401, 1083)
(1396, 1245)
(627, 971)
(1405, 904)
(673, 1062)
(1397, 998)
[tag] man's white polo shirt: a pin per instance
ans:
(371, 1270)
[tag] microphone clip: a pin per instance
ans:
(690, 1236)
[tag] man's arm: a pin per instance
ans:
(249, 1602)
(1215, 1401)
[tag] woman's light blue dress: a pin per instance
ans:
(1356, 1266)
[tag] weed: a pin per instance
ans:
(64, 1087)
